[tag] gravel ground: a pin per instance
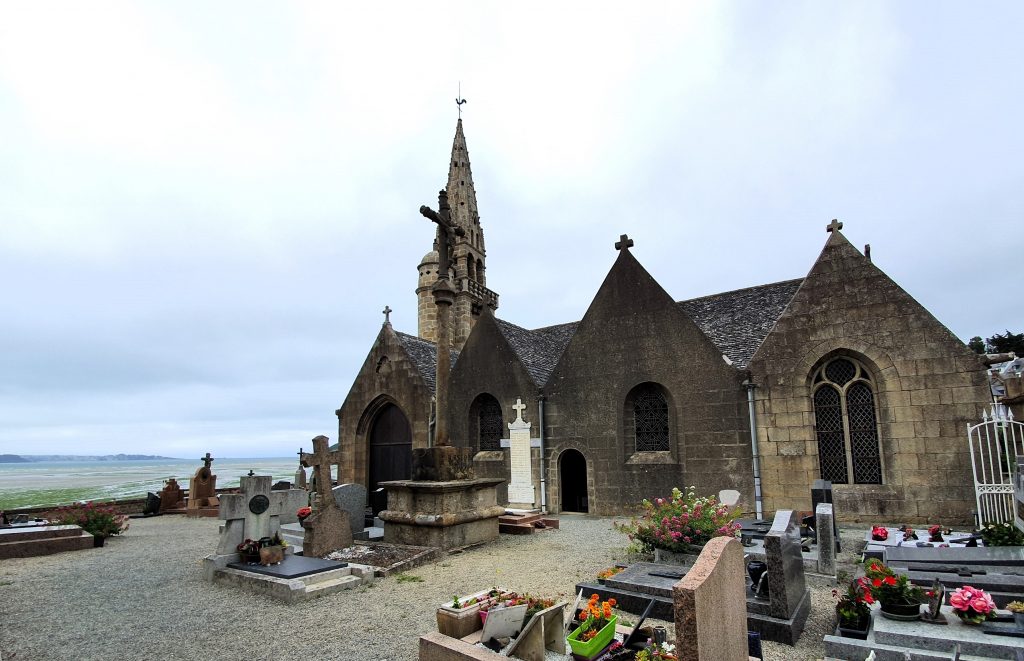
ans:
(143, 597)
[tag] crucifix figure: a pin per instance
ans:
(321, 460)
(834, 226)
(387, 314)
(207, 460)
(444, 297)
(624, 243)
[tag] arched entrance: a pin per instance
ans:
(390, 446)
(572, 476)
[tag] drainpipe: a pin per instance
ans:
(543, 473)
(758, 499)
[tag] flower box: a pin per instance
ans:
(589, 649)
(860, 633)
(460, 622)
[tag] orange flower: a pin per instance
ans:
(607, 611)
(612, 602)
(594, 597)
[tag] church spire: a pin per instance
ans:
(461, 192)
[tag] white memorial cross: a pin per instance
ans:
(521, 488)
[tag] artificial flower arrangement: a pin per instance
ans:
(853, 610)
(879, 533)
(608, 573)
(909, 534)
(304, 513)
(655, 652)
(935, 533)
(972, 605)
(496, 599)
(681, 521)
(97, 519)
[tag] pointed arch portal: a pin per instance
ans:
(390, 446)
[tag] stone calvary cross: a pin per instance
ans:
(321, 460)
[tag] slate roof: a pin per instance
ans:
(738, 321)
(424, 355)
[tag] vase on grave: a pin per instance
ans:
(98, 540)
(901, 611)
(755, 569)
(592, 648)
(858, 629)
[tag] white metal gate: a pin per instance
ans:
(995, 443)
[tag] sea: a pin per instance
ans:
(52, 483)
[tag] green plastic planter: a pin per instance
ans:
(591, 648)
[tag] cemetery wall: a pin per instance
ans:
(634, 333)
(386, 376)
(929, 386)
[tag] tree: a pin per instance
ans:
(1006, 343)
(976, 344)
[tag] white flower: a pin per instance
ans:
(668, 647)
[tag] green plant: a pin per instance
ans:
(854, 606)
(681, 521)
(1002, 534)
(890, 588)
(408, 578)
(101, 520)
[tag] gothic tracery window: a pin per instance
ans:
(650, 418)
(846, 423)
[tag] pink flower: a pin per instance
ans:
(983, 604)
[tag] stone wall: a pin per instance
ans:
(634, 333)
(929, 386)
(387, 376)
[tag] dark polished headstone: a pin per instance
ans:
(294, 566)
(152, 504)
(786, 583)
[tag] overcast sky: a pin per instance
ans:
(205, 206)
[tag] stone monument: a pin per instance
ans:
(171, 497)
(202, 491)
(711, 624)
(522, 493)
(444, 504)
(328, 528)
(300, 474)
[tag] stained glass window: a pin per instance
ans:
(650, 419)
(846, 423)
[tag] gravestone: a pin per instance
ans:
(786, 583)
(202, 491)
(300, 478)
(825, 528)
(171, 496)
(152, 507)
(351, 498)
(821, 492)
(328, 528)
(521, 489)
(251, 514)
(711, 624)
(378, 501)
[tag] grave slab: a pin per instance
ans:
(992, 556)
(294, 566)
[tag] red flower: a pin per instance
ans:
(890, 580)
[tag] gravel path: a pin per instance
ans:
(143, 597)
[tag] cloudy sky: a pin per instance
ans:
(205, 206)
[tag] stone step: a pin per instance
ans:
(334, 585)
(515, 528)
(36, 546)
(519, 524)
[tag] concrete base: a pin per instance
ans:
(293, 590)
(446, 515)
(30, 541)
(919, 641)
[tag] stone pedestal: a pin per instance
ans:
(442, 464)
(445, 514)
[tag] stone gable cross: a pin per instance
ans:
(207, 460)
(624, 243)
(834, 226)
(387, 314)
(321, 460)
(519, 408)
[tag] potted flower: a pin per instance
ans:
(249, 551)
(597, 628)
(1017, 608)
(899, 598)
(304, 513)
(879, 533)
(971, 605)
(655, 652)
(682, 523)
(853, 610)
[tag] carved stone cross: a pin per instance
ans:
(834, 226)
(387, 314)
(624, 243)
(519, 408)
(207, 460)
(321, 460)
(445, 231)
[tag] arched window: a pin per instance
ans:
(647, 419)
(846, 423)
(489, 423)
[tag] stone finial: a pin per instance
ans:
(624, 243)
(834, 226)
(387, 314)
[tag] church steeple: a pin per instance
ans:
(468, 259)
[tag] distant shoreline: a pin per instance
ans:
(33, 458)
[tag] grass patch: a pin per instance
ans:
(4, 583)
(408, 578)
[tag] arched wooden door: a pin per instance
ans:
(390, 447)
(572, 476)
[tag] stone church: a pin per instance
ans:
(839, 374)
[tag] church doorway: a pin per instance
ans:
(390, 447)
(572, 476)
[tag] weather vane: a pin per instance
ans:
(459, 100)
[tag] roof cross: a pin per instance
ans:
(834, 226)
(387, 314)
(624, 243)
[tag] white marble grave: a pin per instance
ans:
(522, 490)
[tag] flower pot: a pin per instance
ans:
(902, 612)
(858, 630)
(755, 568)
(589, 649)
(97, 541)
(973, 618)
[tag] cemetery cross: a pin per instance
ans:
(321, 460)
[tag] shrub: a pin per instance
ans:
(1002, 534)
(102, 520)
(680, 522)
